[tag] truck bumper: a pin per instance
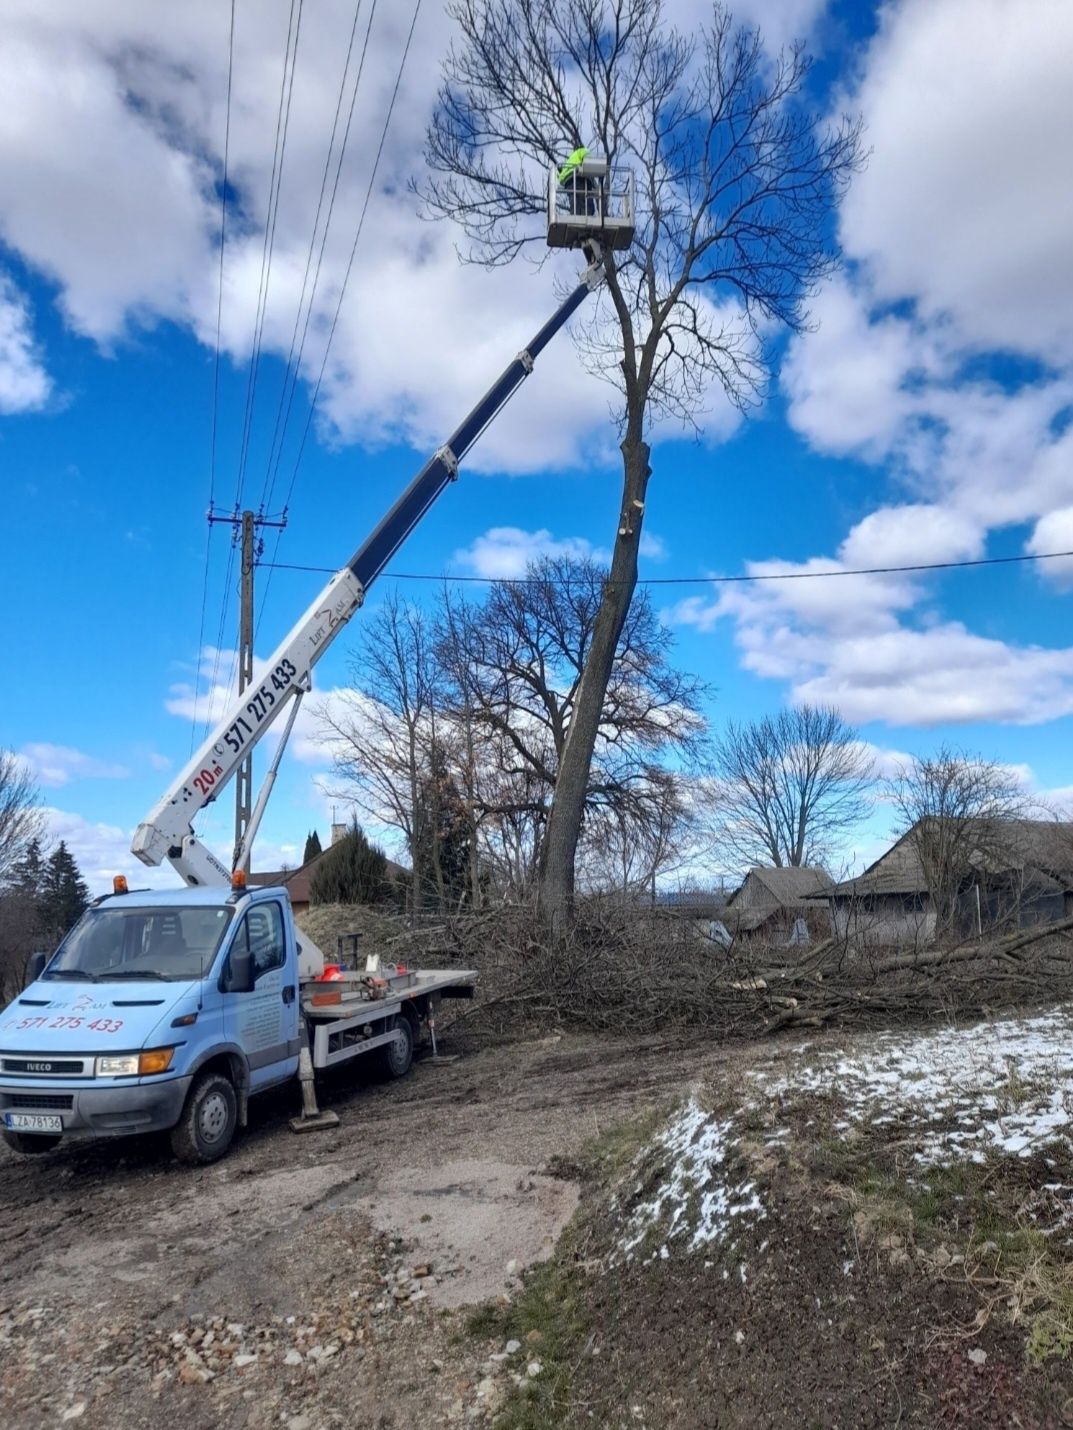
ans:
(102, 1111)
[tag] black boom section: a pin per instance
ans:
(377, 549)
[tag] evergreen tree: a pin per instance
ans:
(28, 875)
(21, 928)
(312, 848)
(63, 894)
(352, 872)
(440, 847)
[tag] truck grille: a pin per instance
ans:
(40, 1102)
(46, 1065)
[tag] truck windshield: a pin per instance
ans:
(167, 943)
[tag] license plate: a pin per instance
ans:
(33, 1122)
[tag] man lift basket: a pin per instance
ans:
(587, 199)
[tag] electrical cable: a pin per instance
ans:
(283, 114)
(343, 289)
(215, 375)
(742, 578)
(294, 361)
(275, 186)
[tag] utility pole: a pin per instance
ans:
(246, 526)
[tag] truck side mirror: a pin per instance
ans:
(35, 967)
(239, 973)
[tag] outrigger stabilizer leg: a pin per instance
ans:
(312, 1118)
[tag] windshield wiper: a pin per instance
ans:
(73, 973)
(139, 973)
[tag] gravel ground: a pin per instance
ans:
(313, 1281)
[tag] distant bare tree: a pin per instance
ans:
(20, 816)
(788, 786)
(382, 731)
(526, 652)
(476, 698)
(958, 809)
(626, 849)
(736, 179)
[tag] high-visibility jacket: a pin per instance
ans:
(576, 159)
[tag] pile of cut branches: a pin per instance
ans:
(622, 970)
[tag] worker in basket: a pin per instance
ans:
(580, 189)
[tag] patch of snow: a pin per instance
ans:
(1007, 1086)
(692, 1199)
(1002, 1087)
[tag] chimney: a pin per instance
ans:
(338, 832)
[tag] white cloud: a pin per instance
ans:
(503, 552)
(945, 674)
(841, 643)
(904, 535)
(102, 851)
(780, 22)
(25, 386)
(134, 241)
(845, 379)
(57, 765)
(1054, 532)
(957, 236)
(215, 689)
(966, 205)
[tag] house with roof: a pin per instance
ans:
(297, 882)
(965, 879)
(772, 906)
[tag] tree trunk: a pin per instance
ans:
(572, 782)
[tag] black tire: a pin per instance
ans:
(396, 1057)
(30, 1143)
(207, 1127)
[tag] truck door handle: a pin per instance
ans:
(288, 993)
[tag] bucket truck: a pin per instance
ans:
(169, 1010)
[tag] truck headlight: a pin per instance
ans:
(157, 1060)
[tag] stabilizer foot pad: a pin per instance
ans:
(319, 1122)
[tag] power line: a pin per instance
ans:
(275, 186)
(275, 183)
(291, 374)
(354, 248)
(705, 580)
(215, 371)
(346, 280)
(223, 244)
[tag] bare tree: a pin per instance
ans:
(382, 732)
(961, 813)
(788, 786)
(735, 184)
(20, 817)
(527, 654)
(477, 698)
(625, 849)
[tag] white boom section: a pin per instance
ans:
(166, 832)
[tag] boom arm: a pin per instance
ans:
(167, 832)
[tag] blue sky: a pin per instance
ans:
(926, 417)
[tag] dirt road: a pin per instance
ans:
(307, 1281)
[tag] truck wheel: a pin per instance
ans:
(396, 1056)
(28, 1142)
(204, 1132)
